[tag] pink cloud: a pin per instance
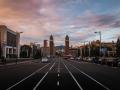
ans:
(90, 19)
(36, 18)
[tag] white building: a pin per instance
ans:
(9, 42)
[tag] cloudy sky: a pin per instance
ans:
(79, 19)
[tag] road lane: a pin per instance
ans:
(86, 81)
(64, 74)
(58, 79)
(36, 86)
(106, 75)
(10, 75)
(30, 81)
(80, 87)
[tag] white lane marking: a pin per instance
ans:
(27, 77)
(58, 83)
(58, 67)
(42, 78)
(73, 77)
(58, 74)
(91, 78)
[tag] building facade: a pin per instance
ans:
(45, 49)
(9, 42)
(108, 49)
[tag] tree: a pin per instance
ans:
(38, 54)
(118, 48)
(23, 54)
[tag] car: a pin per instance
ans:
(71, 58)
(89, 59)
(85, 59)
(118, 64)
(44, 60)
(78, 58)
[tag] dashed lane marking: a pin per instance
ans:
(58, 83)
(58, 74)
(73, 77)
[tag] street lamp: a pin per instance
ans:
(18, 43)
(100, 42)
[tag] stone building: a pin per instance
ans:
(9, 42)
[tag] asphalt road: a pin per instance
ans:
(58, 74)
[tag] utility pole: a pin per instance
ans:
(100, 43)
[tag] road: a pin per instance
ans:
(58, 74)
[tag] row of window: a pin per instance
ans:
(11, 39)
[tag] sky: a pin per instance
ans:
(78, 19)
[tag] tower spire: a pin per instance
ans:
(66, 45)
(51, 44)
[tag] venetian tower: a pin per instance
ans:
(67, 45)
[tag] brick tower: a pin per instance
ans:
(51, 45)
(66, 45)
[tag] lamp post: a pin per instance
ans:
(84, 48)
(18, 43)
(100, 42)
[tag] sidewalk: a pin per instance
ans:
(13, 60)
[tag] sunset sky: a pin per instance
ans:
(79, 19)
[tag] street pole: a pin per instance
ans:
(100, 43)
(84, 49)
(89, 49)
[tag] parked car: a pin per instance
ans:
(87, 59)
(71, 58)
(44, 60)
(90, 59)
(118, 62)
(78, 58)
